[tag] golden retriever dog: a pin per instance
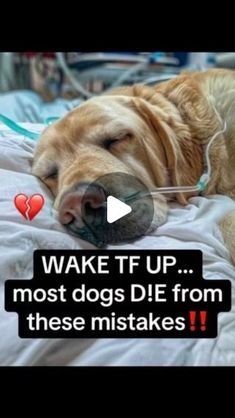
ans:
(157, 134)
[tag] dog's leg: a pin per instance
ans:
(227, 225)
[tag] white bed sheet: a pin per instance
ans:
(193, 227)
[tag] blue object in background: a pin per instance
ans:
(155, 56)
(182, 57)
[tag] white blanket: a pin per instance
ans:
(192, 227)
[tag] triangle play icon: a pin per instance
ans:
(116, 209)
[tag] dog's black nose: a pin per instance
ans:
(85, 202)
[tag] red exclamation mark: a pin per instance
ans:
(192, 318)
(203, 315)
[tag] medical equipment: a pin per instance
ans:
(199, 187)
(113, 69)
(19, 129)
(22, 131)
(204, 179)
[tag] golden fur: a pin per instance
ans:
(161, 134)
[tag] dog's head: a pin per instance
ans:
(107, 134)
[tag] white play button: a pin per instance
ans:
(116, 209)
(111, 220)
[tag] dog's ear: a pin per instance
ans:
(166, 137)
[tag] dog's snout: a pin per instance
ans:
(84, 201)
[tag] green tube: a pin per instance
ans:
(17, 128)
(51, 119)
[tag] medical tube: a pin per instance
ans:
(19, 129)
(199, 187)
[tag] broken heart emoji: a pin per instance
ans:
(29, 206)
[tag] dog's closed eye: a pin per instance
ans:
(52, 174)
(50, 178)
(109, 142)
